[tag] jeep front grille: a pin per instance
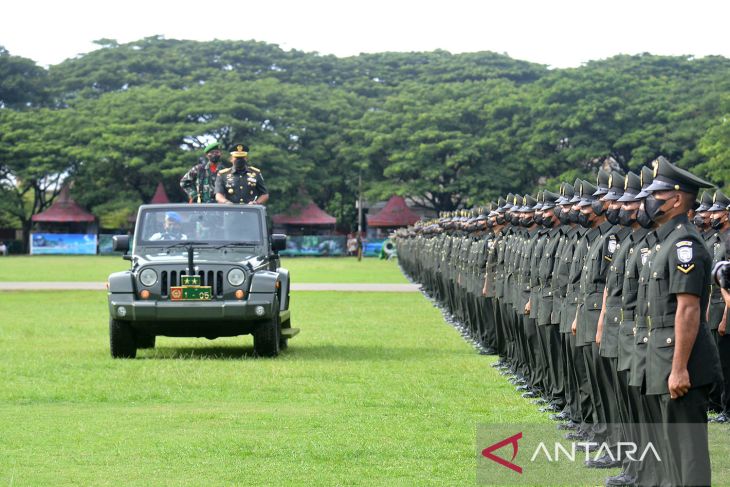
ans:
(214, 279)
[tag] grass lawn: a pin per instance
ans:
(98, 268)
(365, 395)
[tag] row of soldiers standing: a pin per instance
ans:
(599, 302)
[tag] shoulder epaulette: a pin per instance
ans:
(225, 170)
(255, 169)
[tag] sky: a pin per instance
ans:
(563, 33)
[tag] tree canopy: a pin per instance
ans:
(450, 130)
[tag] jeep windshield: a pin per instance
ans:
(226, 226)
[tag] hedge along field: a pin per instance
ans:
(97, 268)
(364, 395)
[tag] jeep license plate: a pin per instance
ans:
(191, 293)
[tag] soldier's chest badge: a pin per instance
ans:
(612, 242)
(684, 256)
(645, 255)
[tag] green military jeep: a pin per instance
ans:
(205, 270)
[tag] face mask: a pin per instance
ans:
(626, 217)
(564, 218)
(501, 220)
(215, 158)
(548, 222)
(643, 218)
(584, 220)
(527, 221)
(538, 219)
(653, 206)
(699, 221)
(573, 215)
(557, 211)
(490, 223)
(716, 223)
(597, 207)
(612, 216)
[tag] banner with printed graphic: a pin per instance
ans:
(62, 243)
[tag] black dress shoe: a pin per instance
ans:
(622, 479)
(570, 425)
(577, 436)
(563, 416)
(720, 419)
(603, 462)
(529, 395)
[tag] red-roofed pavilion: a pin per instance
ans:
(395, 214)
(160, 196)
(64, 210)
(307, 219)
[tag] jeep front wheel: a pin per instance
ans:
(267, 334)
(121, 339)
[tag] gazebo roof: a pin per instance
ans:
(160, 195)
(64, 210)
(395, 213)
(311, 214)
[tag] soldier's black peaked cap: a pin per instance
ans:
(576, 191)
(632, 187)
(615, 186)
(720, 202)
(549, 200)
(602, 183)
(528, 202)
(567, 192)
(538, 205)
(647, 177)
(705, 201)
(668, 177)
(587, 190)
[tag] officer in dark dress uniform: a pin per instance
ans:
(717, 311)
(240, 183)
(682, 361)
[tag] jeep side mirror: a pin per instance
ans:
(278, 242)
(120, 243)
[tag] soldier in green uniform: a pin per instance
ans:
(548, 330)
(240, 183)
(622, 284)
(578, 398)
(702, 215)
(682, 361)
(717, 311)
(199, 182)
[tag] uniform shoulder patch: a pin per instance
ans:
(225, 171)
(685, 254)
(255, 169)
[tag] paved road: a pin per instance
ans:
(100, 286)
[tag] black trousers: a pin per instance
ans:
(685, 431)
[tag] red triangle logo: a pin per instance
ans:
(488, 452)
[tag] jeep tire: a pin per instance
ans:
(267, 335)
(121, 339)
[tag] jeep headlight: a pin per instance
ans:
(236, 277)
(148, 277)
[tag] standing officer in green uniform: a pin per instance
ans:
(717, 311)
(199, 182)
(622, 285)
(240, 183)
(682, 361)
(546, 328)
(702, 215)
